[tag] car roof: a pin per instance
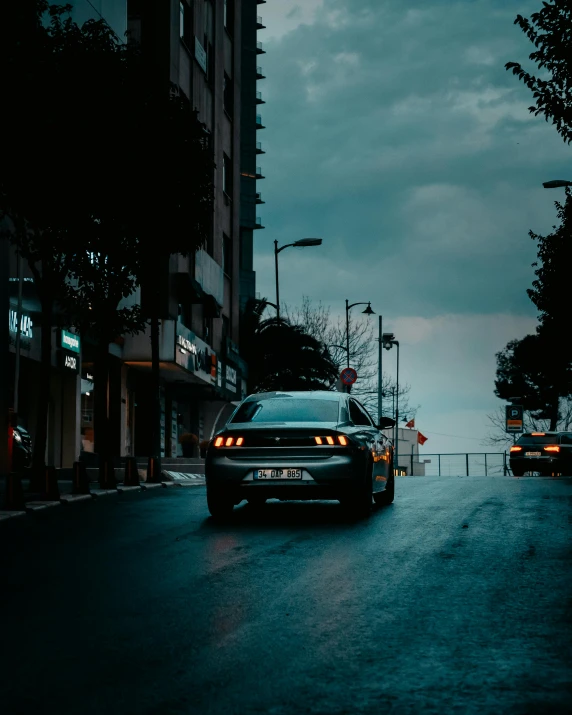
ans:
(306, 394)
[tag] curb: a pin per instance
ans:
(102, 492)
(5, 515)
(40, 505)
(151, 485)
(68, 498)
(121, 488)
(168, 484)
(191, 484)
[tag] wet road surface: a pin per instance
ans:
(455, 599)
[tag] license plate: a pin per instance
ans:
(533, 454)
(278, 474)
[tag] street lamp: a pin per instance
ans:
(556, 184)
(302, 243)
(367, 311)
(389, 341)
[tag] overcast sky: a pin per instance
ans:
(395, 134)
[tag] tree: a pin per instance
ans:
(550, 30)
(281, 355)
(533, 370)
(118, 153)
(316, 320)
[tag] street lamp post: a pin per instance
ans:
(367, 311)
(302, 243)
(388, 342)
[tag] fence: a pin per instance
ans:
(455, 465)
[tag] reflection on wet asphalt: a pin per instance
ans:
(457, 598)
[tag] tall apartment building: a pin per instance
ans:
(200, 45)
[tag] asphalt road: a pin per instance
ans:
(455, 599)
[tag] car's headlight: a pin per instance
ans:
(17, 436)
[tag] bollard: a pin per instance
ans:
(14, 497)
(51, 491)
(154, 470)
(80, 479)
(107, 474)
(131, 478)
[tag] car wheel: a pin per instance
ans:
(360, 502)
(387, 495)
(220, 505)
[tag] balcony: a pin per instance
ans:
(259, 99)
(259, 124)
(259, 173)
(209, 276)
(260, 49)
(259, 73)
(259, 25)
(259, 198)
(258, 223)
(259, 149)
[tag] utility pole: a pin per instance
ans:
(379, 377)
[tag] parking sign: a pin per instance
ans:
(514, 418)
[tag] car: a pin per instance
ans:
(545, 452)
(300, 445)
(21, 449)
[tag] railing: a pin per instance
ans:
(259, 119)
(462, 464)
(259, 71)
(259, 46)
(258, 221)
(259, 19)
(259, 146)
(259, 96)
(258, 171)
(258, 196)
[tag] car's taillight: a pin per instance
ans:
(552, 448)
(228, 442)
(344, 441)
(516, 449)
(538, 434)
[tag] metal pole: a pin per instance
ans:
(348, 331)
(20, 267)
(467, 461)
(485, 464)
(439, 462)
(277, 289)
(379, 378)
(411, 473)
(397, 408)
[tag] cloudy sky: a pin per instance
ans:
(395, 134)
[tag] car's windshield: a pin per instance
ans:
(538, 439)
(287, 409)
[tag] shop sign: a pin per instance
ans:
(195, 355)
(69, 361)
(186, 345)
(231, 378)
(25, 324)
(70, 341)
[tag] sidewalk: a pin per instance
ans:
(35, 503)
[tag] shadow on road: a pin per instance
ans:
(278, 515)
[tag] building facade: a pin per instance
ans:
(200, 46)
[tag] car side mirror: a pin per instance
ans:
(386, 423)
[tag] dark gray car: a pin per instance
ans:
(300, 445)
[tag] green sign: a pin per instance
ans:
(70, 341)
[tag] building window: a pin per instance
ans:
(228, 95)
(185, 17)
(208, 43)
(207, 329)
(227, 255)
(182, 20)
(227, 175)
(229, 16)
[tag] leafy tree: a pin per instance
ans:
(550, 30)
(533, 369)
(117, 155)
(282, 356)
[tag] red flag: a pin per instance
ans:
(411, 424)
(421, 438)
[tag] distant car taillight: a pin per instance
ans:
(516, 449)
(552, 448)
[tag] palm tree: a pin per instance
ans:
(282, 356)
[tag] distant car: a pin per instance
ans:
(21, 449)
(300, 445)
(545, 452)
